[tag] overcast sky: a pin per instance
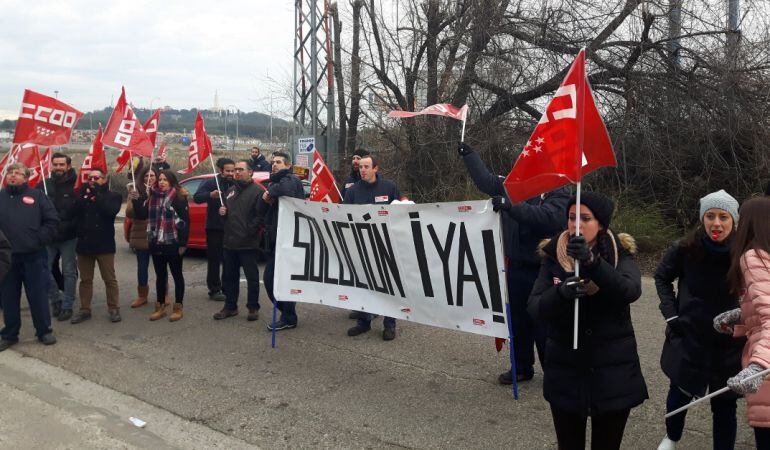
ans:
(165, 52)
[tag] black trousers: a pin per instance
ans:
(162, 263)
(606, 430)
(214, 255)
(234, 261)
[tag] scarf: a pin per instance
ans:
(568, 264)
(161, 218)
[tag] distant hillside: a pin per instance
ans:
(252, 124)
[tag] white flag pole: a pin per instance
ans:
(216, 180)
(462, 134)
(713, 394)
(577, 269)
(42, 173)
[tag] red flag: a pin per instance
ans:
(44, 120)
(124, 131)
(200, 147)
(499, 343)
(94, 160)
(47, 161)
(30, 157)
(322, 187)
(440, 109)
(151, 128)
(162, 150)
(10, 157)
(569, 141)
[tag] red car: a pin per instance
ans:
(197, 238)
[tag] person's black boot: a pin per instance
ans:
(358, 329)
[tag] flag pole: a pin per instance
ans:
(42, 173)
(713, 394)
(462, 133)
(577, 269)
(216, 180)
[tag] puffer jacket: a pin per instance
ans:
(603, 375)
(755, 326)
(137, 230)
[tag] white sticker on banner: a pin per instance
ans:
(436, 264)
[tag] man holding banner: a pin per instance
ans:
(283, 183)
(372, 189)
(524, 224)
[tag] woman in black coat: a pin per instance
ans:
(695, 357)
(602, 379)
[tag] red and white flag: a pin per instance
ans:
(44, 120)
(151, 128)
(162, 150)
(21, 153)
(439, 109)
(11, 156)
(124, 131)
(322, 186)
(46, 161)
(569, 141)
(94, 160)
(200, 147)
(30, 157)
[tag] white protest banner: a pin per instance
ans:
(439, 264)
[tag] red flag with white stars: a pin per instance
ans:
(569, 141)
(200, 147)
(322, 187)
(45, 120)
(94, 160)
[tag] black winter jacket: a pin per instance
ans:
(527, 223)
(260, 164)
(5, 256)
(61, 191)
(382, 192)
(245, 217)
(603, 374)
(282, 184)
(694, 354)
(27, 218)
(94, 212)
(353, 178)
(203, 195)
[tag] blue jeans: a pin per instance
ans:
(69, 269)
(288, 309)
(143, 267)
(31, 271)
(231, 277)
(527, 335)
(724, 423)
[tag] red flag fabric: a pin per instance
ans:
(322, 187)
(200, 147)
(26, 154)
(44, 120)
(46, 161)
(569, 141)
(440, 109)
(151, 128)
(124, 131)
(94, 160)
(162, 150)
(499, 343)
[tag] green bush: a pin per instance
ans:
(646, 223)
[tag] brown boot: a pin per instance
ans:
(177, 314)
(142, 292)
(160, 311)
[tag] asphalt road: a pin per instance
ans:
(429, 388)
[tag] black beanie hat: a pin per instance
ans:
(600, 205)
(361, 152)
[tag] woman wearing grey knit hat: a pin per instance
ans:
(695, 357)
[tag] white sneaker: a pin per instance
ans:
(667, 444)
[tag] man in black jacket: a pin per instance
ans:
(243, 216)
(61, 191)
(369, 190)
(160, 163)
(208, 193)
(258, 162)
(354, 175)
(95, 210)
(28, 220)
(283, 183)
(524, 226)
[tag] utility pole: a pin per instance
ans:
(674, 30)
(733, 32)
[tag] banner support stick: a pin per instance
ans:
(512, 352)
(577, 269)
(275, 307)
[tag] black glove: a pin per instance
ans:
(501, 203)
(572, 287)
(578, 249)
(464, 149)
(676, 325)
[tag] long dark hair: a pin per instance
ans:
(170, 176)
(141, 187)
(753, 233)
